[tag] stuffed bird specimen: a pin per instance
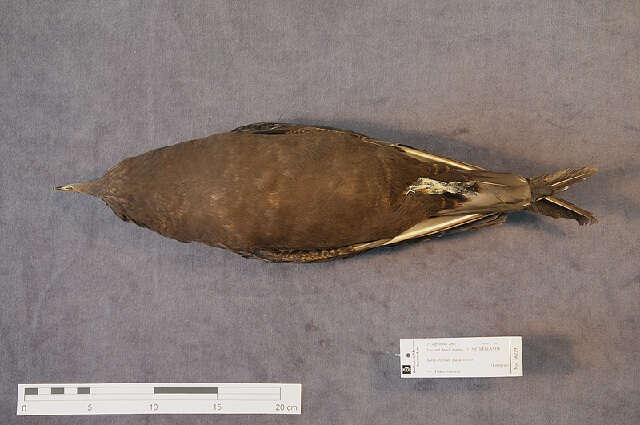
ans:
(287, 192)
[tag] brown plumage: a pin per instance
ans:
(285, 192)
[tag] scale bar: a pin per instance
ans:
(159, 398)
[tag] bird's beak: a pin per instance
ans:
(82, 187)
(68, 188)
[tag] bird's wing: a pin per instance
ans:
(428, 229)
(288, 128)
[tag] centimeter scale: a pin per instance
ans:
(135, 398)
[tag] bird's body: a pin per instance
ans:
(285, 192)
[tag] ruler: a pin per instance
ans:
(159, 398)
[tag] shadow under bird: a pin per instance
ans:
(288, 192)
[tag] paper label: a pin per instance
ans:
(478, 357)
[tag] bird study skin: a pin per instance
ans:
(301, 193)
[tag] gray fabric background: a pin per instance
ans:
(522, 86)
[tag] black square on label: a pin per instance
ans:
(406, 369)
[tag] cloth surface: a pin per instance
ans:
(519, 86)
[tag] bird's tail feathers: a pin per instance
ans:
(542, 187)
(547, 184)
(559, 208)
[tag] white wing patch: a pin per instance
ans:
(435, 187)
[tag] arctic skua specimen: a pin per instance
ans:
(288, 192)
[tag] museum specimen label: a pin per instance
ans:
(478, 357)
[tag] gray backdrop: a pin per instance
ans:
(528, 87)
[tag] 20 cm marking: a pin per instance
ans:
(284, 408)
